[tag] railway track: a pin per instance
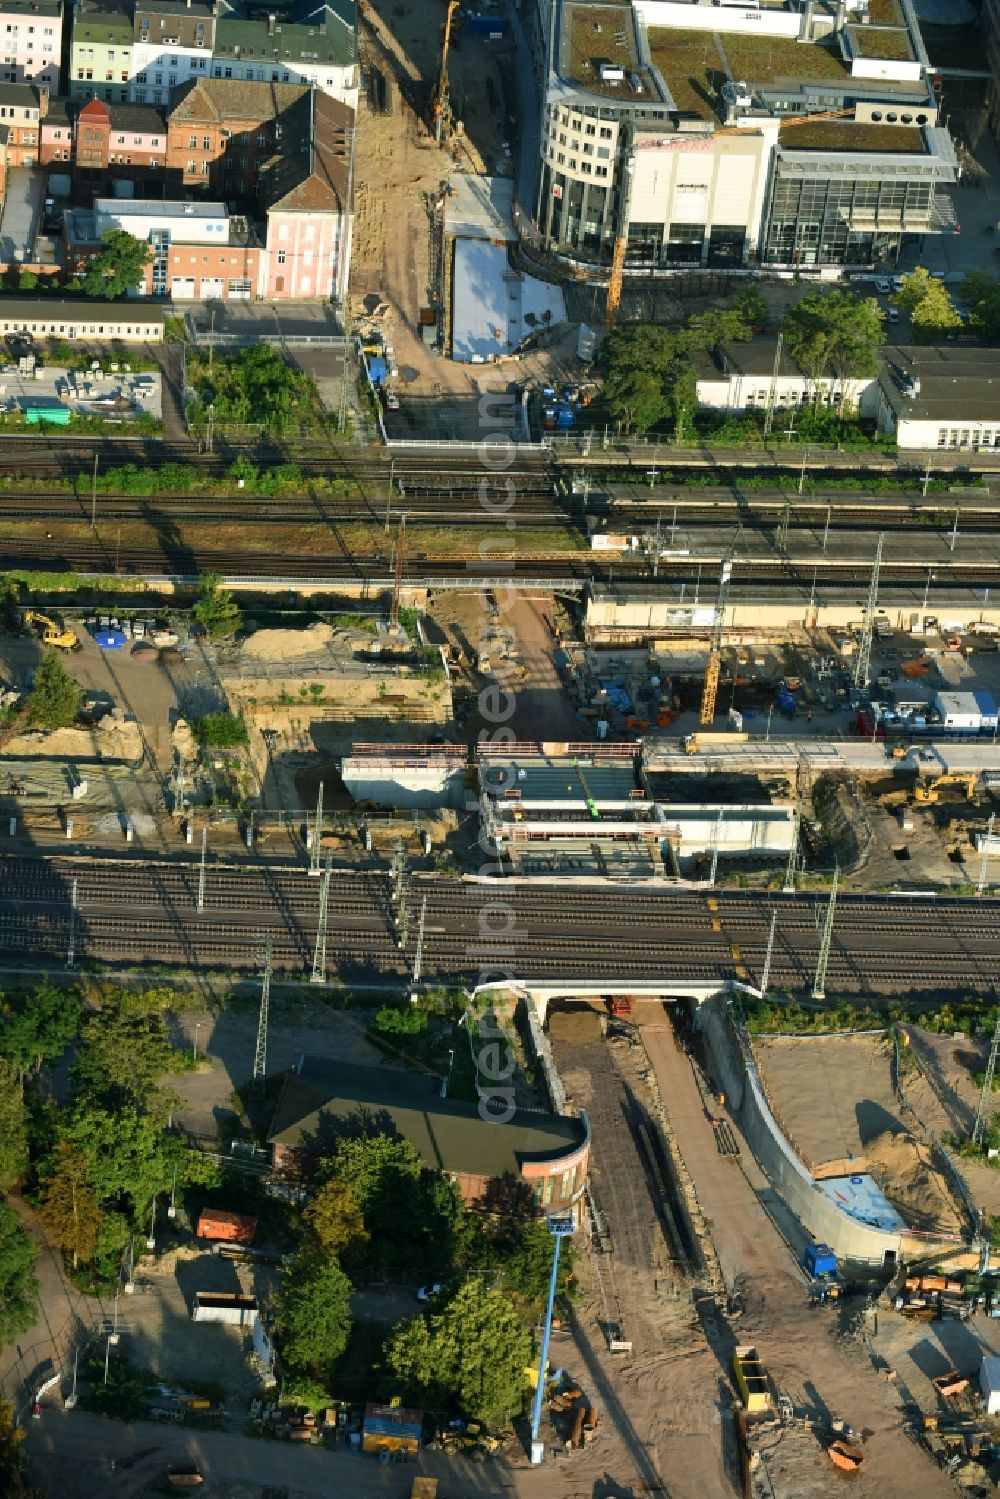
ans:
(141, 911)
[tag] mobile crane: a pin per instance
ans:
(710, 688)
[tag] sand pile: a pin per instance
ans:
(183, 740)
(901, 1165)
(287, 645)
(116, 737)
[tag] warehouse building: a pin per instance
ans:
(945, 397)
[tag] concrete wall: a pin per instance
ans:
(822, 1219)
(427, 786)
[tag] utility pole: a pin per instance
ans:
(766, 975)
(260, 1055)
(953, 537)
(319, 955)
(781, 536)
(716, 831)
(201, 869)
(793, 855)
(772, 395)
(418, 958)
(819, 982)
(863, 663)
(984, 859)
(317, 836)
(985, 1111)
(93, 495)
(656, 547)
(397, 582)
(74, 901)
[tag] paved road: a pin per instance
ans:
(812, 1367)
(71, 1454)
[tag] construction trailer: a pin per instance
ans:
(391, 1429)
(225, 1306)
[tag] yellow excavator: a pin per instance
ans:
(930, 791)
(51, 633)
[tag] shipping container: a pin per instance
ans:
(819, 1259)
(232, 1228)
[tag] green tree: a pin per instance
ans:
(314, 1312)
(334, 1219)
(390, 1020)
(981, 294)
(473, 1352)
(68, 1206)
(36, 1026)
(27, 281)
(54, 699)
(124, 1053)
(221, 730)
(18, 1283)
(12, 1484)
(932, 311)
(216, 611)
(834, 333)
(117, 269)
(13, 1125)
(412, 1216)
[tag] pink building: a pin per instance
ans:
(30, 42)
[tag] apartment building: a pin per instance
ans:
(120, 54)
(21, 111)
(722, 136)
(31, 42)
(315, 43)
(100, 53)
(172, 42)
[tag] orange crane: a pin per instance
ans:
(710, 687)
(614, 300)
(440, 106)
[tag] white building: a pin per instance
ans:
(194, 223)
(173, 41)
(942, 397)
(742, 377)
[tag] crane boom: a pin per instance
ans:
(710, 687)
(614, 300)
(440, 107)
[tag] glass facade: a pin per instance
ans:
(843, 220)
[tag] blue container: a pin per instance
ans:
(819, 1259)
(489, 28)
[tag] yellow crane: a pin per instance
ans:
(710, 687)
(614, 300)
(51, 633)
(441, 106)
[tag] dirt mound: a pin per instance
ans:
(286, 645)
(903, 1168)
(575, 1027)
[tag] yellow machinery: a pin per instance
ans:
(710, 688)
(51, 633)
(441, 106)
(930, 791)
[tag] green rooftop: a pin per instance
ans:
(109, 27)
(885, 12)
(691, 67)
(892, 43)
(852, 135)
(761, 60)
(289, 43)
(596, 34)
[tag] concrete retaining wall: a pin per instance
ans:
(821, 1218)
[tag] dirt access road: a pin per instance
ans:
(798, 1345)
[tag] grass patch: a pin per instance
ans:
(762, 59)
(880, 41)
(851, 135)
(691, 67)
(777, 1016)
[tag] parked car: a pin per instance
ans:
(391, 402)
(882, 286)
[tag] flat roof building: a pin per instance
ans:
(322, 1098)
(724, 136)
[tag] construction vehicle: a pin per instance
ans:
(929, 791)
(711, 686)
(441, 104)
(52, 634)
(692, 744)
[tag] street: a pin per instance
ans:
(70, 1453)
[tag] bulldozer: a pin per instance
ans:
(930, 791)
(51, 633)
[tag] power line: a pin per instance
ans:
(317, 833)
(819, 982)
(985, 1111)
(863, 662)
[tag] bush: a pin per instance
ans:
(390, 1021)
(220, 730)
